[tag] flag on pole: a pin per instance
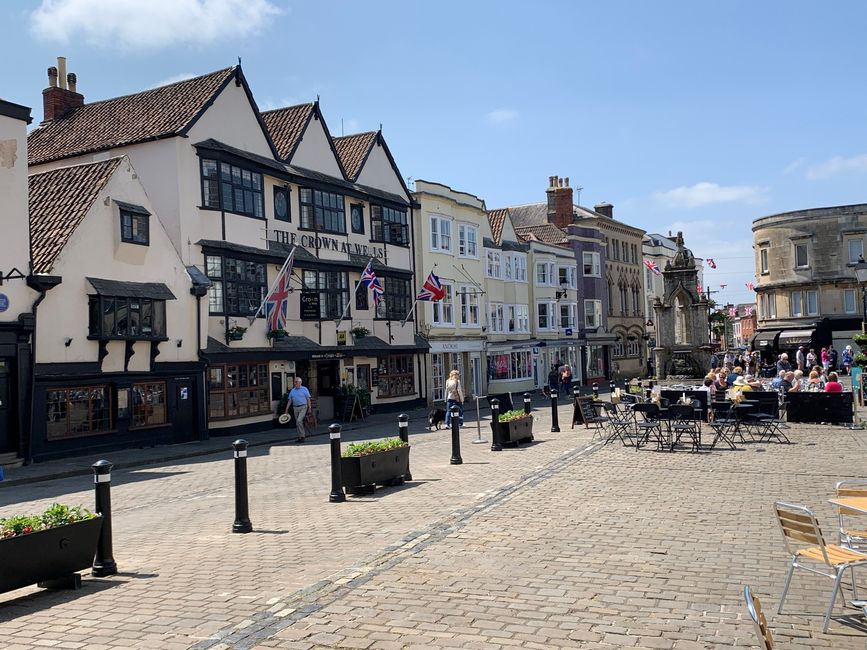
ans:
(432, 290)
(652, 266)
(711, 263)
(751, 286)
(276, 302)
(749, 311)
(723, 286)
(698, 288)
(368, 277)
(378, 291)
(733, 311)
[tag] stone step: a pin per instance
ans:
(10, 460)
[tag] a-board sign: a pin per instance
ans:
(351, 408)
(585, 412)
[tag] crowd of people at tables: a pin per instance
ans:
(746, 372)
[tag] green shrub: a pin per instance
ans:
(860, 360)
(372, 446)
(514, 414)
(56, 515)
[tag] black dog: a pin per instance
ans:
(435, 418)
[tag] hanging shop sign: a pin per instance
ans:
(309, 305)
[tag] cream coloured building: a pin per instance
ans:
(236, 189)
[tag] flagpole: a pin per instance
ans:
(411, 310)
(273, 285)
(349, 302)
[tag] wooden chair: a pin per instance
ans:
(763, 632)
(799, 526)
(851, 535)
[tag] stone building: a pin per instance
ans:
(806, 289)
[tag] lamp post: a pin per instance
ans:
(861, 275)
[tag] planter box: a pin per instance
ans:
(236, 336)
(48, 555)
(362, 473)
(819, 407)
(516, 430)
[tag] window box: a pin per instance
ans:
(236, 333)
(361, 474)
(47, 555)
(277, 335)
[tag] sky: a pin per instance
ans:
(686, 116)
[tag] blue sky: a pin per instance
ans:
(686, 116)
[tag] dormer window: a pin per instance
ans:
(134, 224)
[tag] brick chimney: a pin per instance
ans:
(60, 96)
(560, 211)
(605, 209)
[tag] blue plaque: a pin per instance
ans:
(4, 302)
(568, 331)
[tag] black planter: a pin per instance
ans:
(516, 430)
(278, 337)
(363, 473)
(236, 336)
(48, 555)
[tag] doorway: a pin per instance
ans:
(184, 418)
(327, 385)
(8, 437)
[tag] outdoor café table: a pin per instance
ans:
(852, 503)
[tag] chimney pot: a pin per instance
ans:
(52, 77)
(550, 181)
(567, 181)
(61, 70)
(71, 80)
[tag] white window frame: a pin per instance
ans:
(570, 275)
(763, 261)
(443, 311)
(772, 304)
(550, 315)
(594, 263)
(548, 271)
(570, 316)
(860, 249)
(493, 268)
(806, 263)
(854, 294)
(796, 304)
(520, 267)
(523, 319)
(593, 313)
(469, 306)
(496, 317)
(468, 246)
(508, 266)
(440, 234)
(438, 377)
(814, 311)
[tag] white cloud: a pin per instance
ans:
(502, 116)
(704, 193)
(837, 165)
(153, 24)
(795, 165)
(181, 76)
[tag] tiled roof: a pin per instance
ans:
(286, 126)
(59, 200)
(547, 233)
(149, 115)
(531, 214)
(497, 218)
(353, 151)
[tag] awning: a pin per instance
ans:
(119, 289)
(766, 340)
(795, 338)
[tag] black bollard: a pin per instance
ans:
(496, 445)
(242, 509)
(337, 494)
(576, 391)
(527, 400)
(611, 387)
(595, 390)
(456, 437)
(555, 418)
(403, 433)
(103, 561)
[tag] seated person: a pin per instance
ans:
(833, 385)
(815, 381)
(754, 383)
(794, 386)
(780, 381)
(709, 386)
(733, 375)
(741, 386)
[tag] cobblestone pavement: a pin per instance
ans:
(553, 544)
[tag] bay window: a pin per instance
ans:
(469, 306)
(440, 234)
(592, 267)
(138, 319)
(567, 315)
(544, 274)
(468, 240)
(443, 313)
(493, 265)
(496, 317)
(593, 313)
(545, 315)
(520, 267)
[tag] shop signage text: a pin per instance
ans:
(317, 242)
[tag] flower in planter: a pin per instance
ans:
(513, 415)
(277, 334)
(359, 331)
(54, 516)
(236, 332)
(372, 446)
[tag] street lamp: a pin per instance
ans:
(564, 290)
(861, 275)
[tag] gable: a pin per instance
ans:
(286, 126)
(377, 171)
(314, 150)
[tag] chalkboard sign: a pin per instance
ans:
(374, 377)
(585, 412)
(309, 305)
(351, 408)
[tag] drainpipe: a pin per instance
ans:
(200, 292)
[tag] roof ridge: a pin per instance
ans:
(42, 172)
(150, 90)
(355, 135)
(286, 108)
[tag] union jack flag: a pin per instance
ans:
(749, 311)
(652, 266)
(711, 263)
(751, 286)
(277, 302)
(432, 290)
(378, 291)
(733, 311)
(698, 288)
(368, 277)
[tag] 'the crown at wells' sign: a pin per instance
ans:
(332, 243)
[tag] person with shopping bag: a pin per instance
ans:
(454, 397)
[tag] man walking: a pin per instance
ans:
(302, 404)
(801, 358)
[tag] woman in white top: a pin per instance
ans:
(454, 397)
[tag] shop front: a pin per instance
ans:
(465, 356)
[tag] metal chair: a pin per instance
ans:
(620, 423)
(760, 623)
(648, 424)
(853, 536)
(682, 421)
(799, 526)
(723, 423)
